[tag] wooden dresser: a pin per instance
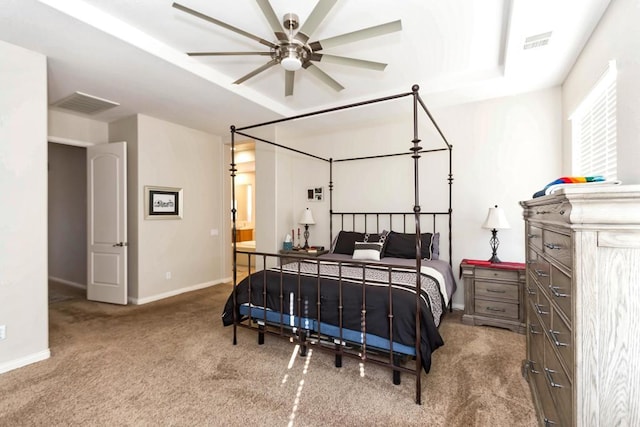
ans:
(583, 306)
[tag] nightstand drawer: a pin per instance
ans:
(497, 290)
(497, 309)
(495, 274)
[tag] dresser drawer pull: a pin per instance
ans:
(532, 236)
(554, 337)
(561, 212)
(552, 246)
(548, 422)
(555, 290)
(496, 291)
(496, 310)
(530, 291)
(548, 372)
(541, 273)
(533, 331)
(532, 261)
(539, 309)
(532, 367)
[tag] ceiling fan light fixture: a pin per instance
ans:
(291, 63)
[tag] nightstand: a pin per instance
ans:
(494, 294)
(291, 255)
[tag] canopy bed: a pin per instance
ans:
(378, 295)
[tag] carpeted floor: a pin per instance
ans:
(172, 363)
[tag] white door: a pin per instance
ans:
(107, 223)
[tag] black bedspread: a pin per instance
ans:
(286, 294)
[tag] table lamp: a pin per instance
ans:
(306, 220)
(495, 221)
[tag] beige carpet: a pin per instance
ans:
(171, 363)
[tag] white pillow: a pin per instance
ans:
(367, 251)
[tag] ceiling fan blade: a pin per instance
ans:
(227, 53)
(353, 62)
(324, 77)
(223, 25)
(256, 71)
(274, 22)
(317, 15)
(288, 82)
(365, 33)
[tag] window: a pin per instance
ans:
(593, 127)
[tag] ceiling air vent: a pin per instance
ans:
(538, 40)
(85, 104)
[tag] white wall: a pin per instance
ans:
(171, 155)
(68, 126)
(23, 224)
(617, 36)
(504, 150)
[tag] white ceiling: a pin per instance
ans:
(133, 52)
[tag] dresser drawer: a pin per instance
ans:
(497, 290)
(560, 291)
(534, 236)
(549, 415)
(559, 385)
(558, 247)
(499, 309)
(495, 274)
(535, 331)
(543, 310)
(561, 339)
(539, 269)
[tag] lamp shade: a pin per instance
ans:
(496, 219)
(307, 217)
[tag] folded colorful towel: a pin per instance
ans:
(560, 182)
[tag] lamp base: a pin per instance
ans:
(494, 259)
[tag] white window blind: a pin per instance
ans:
(594, 130)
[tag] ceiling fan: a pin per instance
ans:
(292, 50)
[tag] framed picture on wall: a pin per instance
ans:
(315, 194)
(162, 202)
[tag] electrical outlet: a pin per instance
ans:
(167, 275)
(3, 332)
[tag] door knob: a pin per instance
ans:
(121, 244)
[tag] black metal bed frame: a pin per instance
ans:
(415, 151)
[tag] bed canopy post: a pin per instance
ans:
(416, 210)
(330, 201)
(233, 171)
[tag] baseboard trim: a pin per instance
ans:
(68, 282)
(24, 361)
(140, 301)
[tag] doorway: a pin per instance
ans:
(245, 191)
(67, 217)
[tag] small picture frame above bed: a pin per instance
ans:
(162, 202)
(315, 194)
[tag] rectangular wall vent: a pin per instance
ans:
(538, 40)
(85, 104)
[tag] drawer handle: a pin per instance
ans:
(552, 246)
(532, 367)
(496, 291)
(533, 331)
(548, 422)
(555, 290)
(539, 309)
(548, 373)
(541, 273)
(532, 236)
(530, 291)
(554, 337)
(496, 310)
(561, 212)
